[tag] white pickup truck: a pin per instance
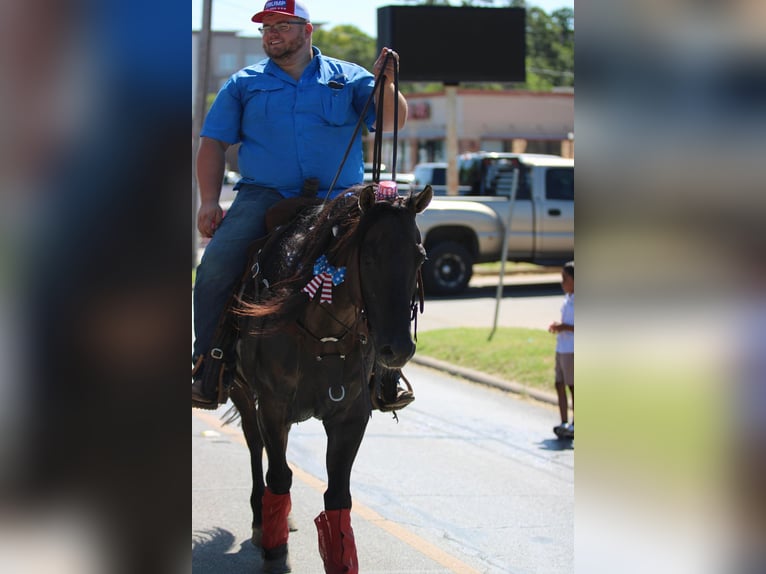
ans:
(461, 230)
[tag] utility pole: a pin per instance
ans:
(200, 98)
(452, 147)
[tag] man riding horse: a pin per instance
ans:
(293, 115)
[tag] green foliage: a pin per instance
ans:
(526, 356)
(347, 43)
(550, 48)
(209, 102)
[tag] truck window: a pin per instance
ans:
(469, 173)
(559, 184)
(502, 181)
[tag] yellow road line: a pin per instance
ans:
(410, 538)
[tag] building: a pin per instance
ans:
(229, 52)
(503, 121)
(516, 121)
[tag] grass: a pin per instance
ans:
(526, 356)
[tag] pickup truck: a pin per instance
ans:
(459, 231)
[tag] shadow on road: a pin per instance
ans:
(210, 553)
(556, 444)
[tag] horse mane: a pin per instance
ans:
(335, 228)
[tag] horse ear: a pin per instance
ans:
(366, 198)
(419, 202)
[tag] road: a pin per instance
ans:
(531, 300)
(469, 480)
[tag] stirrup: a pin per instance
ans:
(403, 398)
(199, 399)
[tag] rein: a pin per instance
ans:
(380, 87)
(378, 140)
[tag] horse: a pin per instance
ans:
(327, 309)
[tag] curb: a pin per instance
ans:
(485, 379)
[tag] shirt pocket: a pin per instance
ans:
(268, 101)
(337, 105)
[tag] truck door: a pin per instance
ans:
(555, 214)
(521, 239)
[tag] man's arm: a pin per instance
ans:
(388, 98)
(211, 163)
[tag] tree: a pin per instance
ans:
(550, 48)
(348, 43)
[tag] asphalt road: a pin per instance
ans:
(528, 300)
(469, 480)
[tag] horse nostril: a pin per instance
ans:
(393, 356)
(386, 352)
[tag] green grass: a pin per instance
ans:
(526, 356)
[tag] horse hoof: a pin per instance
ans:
(279, 565)
(257, 537)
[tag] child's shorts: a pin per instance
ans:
(565, 369)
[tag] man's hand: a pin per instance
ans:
(209, 218)
(391, 65)
(395, 98)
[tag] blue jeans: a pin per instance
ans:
(225, 258)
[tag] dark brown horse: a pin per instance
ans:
(331, 301)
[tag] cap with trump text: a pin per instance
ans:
(284, 7)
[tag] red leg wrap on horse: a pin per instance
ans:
(276, 507)
(336, 542)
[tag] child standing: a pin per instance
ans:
(565, 352)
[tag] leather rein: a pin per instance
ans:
(378, 140)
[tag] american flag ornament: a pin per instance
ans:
(325, 276)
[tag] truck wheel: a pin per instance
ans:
(447, 269)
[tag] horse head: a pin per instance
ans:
(389, 258)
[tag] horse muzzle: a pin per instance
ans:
(395, 354)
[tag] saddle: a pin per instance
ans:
(217, 366)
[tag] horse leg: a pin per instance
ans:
(243, 399)
(336, 537)
(276, 503)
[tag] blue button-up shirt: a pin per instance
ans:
(293, 130)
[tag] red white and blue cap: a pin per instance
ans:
(284, 7)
